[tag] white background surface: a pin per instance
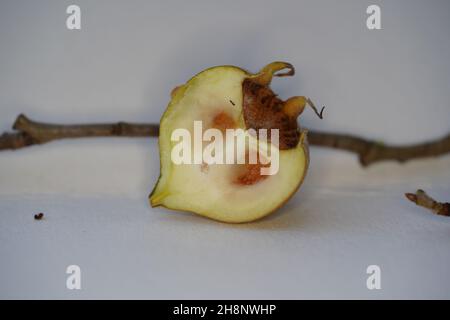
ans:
(392, 85)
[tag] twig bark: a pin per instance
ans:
(422, 199)
(29, 132)
(370, 151)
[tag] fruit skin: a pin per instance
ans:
(263, 78)
(305, 147)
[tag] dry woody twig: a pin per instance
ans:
(29, 132)
(421, 198)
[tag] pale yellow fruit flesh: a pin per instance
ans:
(214, 193)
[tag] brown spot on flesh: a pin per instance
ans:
(262, 109)
(251, 174)
(223, 121)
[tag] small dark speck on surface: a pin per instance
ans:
(232, 102)
(38, 216)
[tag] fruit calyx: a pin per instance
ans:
(262, 109)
